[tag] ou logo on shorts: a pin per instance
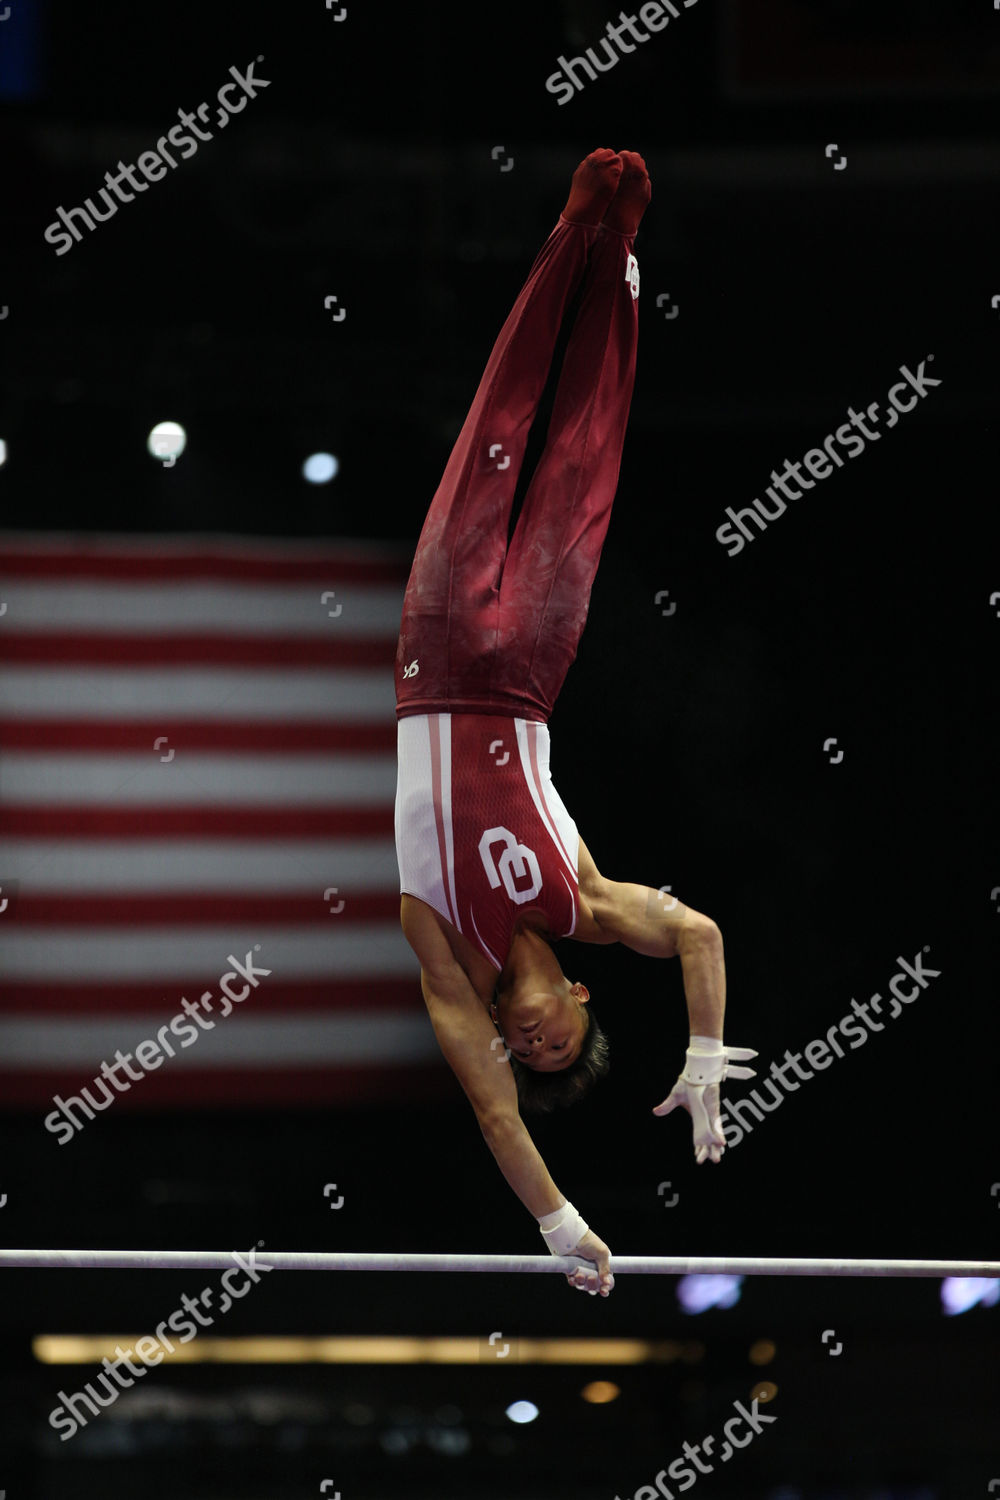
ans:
(632, 276)
(517, 862)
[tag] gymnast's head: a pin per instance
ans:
(557, 1049)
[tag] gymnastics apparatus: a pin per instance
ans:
(636, 1265)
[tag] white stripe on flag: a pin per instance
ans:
(170, 865)
(190, 777)
(189, 607)
(371, 949)
(260, 695)
(263, 1041)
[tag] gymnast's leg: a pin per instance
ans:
(448, 645)
(556, 547)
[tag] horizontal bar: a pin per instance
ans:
(634, 1265)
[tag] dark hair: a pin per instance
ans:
(538, 1093)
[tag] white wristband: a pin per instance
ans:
(708, 1061)
(563, 1229)
(705, 1061)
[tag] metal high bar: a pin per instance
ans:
(621, 1265)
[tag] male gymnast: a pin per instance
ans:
(492, 867)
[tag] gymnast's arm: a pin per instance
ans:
(465, 1033)
(657, 924)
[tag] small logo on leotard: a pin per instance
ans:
(632, 276)
(412, 669)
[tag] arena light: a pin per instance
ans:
(696, 1294)
(347, 1349)
(320, 468)
(960, 1293)
(167, 442)
(600, 1392)
(762, 1352)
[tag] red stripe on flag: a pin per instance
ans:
(291, 1088)
(163, 997)
(207, 649)
(142, 565)
(193, 908)
(146, 822)
(249, 736)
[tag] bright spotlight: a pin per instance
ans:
(762, 1352)
(167, 441)
(599, 1392)
(522, 1411)
(959, 1293)
(320, 468)
(698, 1293)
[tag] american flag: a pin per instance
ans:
(197, 763)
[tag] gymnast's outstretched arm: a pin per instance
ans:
(478, 1059)
(657, 924)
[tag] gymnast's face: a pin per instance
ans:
(543, 1028)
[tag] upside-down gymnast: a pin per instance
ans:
(492, 867)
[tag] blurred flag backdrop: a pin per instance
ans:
(197, 760)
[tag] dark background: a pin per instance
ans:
(688, 746)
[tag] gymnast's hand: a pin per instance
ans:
(596, 1276)
(697, 1091)
(567, 1233)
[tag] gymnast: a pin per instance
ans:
(492, 867)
